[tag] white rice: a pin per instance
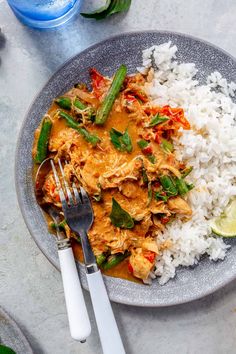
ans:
(208, 107)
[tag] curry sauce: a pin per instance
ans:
(127, 166)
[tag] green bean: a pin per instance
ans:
(144, 175)
(100, 259)
(168, 185)
(106, 106)
(79, 104)
(114, 259)
(186, 172)
(71, 122)
(167, 145)
(159, 196)
(66, 103)
(63, 102)
(42, 145)
(152, 158)
(181, 186)
(142, 144)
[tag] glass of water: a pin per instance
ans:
(44, 13)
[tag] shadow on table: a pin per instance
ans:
(168, 314)
(53, 47)
(2, 40)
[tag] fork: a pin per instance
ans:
(78, 214)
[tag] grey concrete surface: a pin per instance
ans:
(30, 288)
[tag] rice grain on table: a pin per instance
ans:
(210, 147)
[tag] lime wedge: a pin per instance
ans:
(225, 224)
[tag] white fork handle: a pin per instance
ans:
(77, 313)
(106, 323)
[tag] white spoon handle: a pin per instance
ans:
(77, 313)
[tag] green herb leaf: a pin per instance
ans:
(111, 7)
(167, 146)
(168, 185)
(158, 119)
(6, 350)
(159, 196)
(121, 141)
(142, 144)
(119, 217)
(151, 158)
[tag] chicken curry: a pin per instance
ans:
(126, 162)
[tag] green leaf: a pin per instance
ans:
(142, 144)
(168, 185)
(159, 196)
(119, 217)
(152, 158)
(121, 141)
(158, 119)
(167, 145)
(6, 350)
(111, 7)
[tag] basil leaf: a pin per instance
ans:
(121, 141)
(127, 141)
(119, 217)
(157, 119)
(142, 144)
(111, 7)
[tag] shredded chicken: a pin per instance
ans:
(109, 171)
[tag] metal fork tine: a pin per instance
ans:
(84, 195)
(58, 183)
(76, 194)
(69, 195)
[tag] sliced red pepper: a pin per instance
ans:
(147, 150)
(130, 268)
(99, 82)
(150, 256)
(157, 138)
(165, 220)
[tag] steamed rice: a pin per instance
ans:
(212, 153)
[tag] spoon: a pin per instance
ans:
(79, 323)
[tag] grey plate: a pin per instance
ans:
(11, 335)
(189, 284)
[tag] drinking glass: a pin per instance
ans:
(44, 13)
